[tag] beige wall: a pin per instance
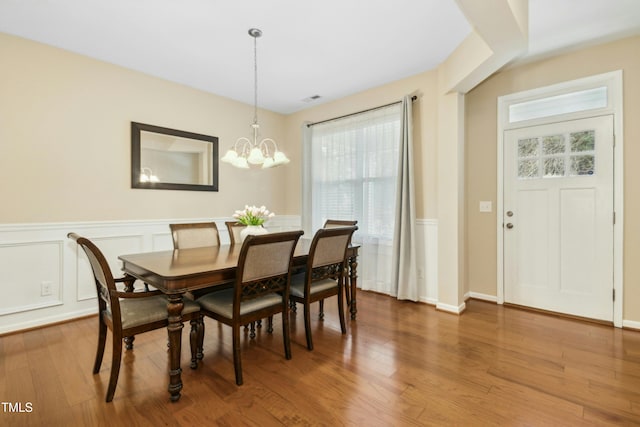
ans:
(425, 121)
(481, 156)
(65, 144)
(65, 141)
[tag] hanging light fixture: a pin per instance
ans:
(246, 152)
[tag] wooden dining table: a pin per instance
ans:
(176, 272)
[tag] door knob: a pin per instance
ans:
(509, 225)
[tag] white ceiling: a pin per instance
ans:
(331, 48)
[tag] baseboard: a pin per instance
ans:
(451, 308)
(46, 321)
(483, 297)
(631, 324)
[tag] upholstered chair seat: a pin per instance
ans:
(297, 285)
(141, 311)
(222, 303)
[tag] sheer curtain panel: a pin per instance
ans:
(351, 169)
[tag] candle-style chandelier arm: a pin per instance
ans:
(276, 158)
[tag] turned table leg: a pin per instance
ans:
(175, 343)
(353, 277)
(128, 287)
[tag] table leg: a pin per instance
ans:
(353, 277)
(128, 287)
(175, 343)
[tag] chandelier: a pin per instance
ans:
(146, 175)
(245, 151)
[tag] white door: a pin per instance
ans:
(558, 217)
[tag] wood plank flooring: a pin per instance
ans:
(400, 364)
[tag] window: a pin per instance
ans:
(351, 167)
(554, 156)
(354, 169)
(582, 100)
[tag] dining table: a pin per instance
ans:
(176, 272)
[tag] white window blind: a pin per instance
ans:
(354, 167)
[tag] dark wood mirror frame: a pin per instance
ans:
(209, 172)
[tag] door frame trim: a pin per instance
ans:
(613, 81)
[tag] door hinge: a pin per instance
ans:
(614, 295)
(614, 218)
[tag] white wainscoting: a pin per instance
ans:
(34, 257)
(37, 257)
(427, 248)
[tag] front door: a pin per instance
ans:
(558, 217)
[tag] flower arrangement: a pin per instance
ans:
(252, 215)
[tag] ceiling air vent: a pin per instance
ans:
(312, 98)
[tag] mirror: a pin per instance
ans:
(170, 159)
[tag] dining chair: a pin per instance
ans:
(128, 313)
(261, 289)
(234, 228)
(333, 223)
(194, 235)
(325, 274)
(197, 235)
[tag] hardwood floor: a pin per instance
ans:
(400, 364)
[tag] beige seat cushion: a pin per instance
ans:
(297, 285)
(139, 311)
(221, 302)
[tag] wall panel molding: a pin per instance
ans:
(33, 253)
(41, 252)
(27, 267)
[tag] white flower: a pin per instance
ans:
(252, 215)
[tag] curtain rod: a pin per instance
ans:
(413, 98)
